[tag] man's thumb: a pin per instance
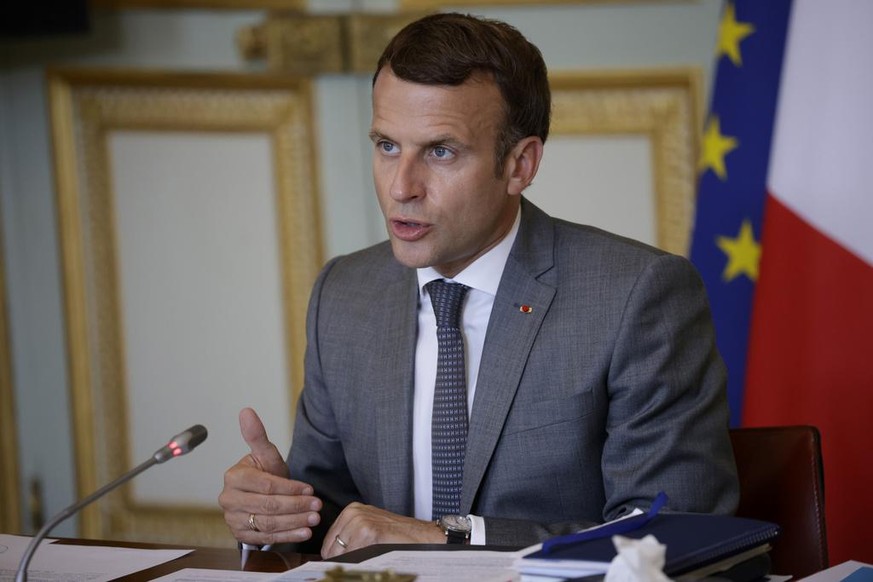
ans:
(264, 453)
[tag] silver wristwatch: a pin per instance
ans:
(456, 527)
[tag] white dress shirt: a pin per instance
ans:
(482, 277)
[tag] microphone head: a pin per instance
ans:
(182, 443)
(194, 435)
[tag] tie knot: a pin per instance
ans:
(447, 299)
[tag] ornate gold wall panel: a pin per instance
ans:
(314, 44)
(661, 105)
(301, 44)
(452, 3)
(210, 4)
(86, 106)
(10, 500)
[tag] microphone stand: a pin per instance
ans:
(181, 444)
(21, 575)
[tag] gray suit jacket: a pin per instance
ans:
(610, 390)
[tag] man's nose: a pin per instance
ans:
(407, 182)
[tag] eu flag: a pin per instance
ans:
(735, 152)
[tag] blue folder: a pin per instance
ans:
(693, 540)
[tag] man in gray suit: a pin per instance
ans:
(591, 378)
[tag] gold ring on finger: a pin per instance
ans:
(252, 524)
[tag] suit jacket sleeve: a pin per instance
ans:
(667, 416)
(317, 456)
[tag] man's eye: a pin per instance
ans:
(387, 147)
(442, 152)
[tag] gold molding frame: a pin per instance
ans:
(202, 4)
(425, 4)
(315, 44)
(663, 105)
(86, 105)
(10, 499)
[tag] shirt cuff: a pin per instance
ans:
(477, 534)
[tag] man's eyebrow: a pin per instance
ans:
(376, 136)
(445, 139)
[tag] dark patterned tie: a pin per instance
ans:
(449, 421)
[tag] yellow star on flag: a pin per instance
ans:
(743, 253)
(715, 147)
(730, 34)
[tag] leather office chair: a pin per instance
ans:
(782, 481)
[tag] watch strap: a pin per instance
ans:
(456, 537)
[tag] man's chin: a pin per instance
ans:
(408, 256)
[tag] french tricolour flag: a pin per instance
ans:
(784, 234)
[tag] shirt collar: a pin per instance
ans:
(484, 273)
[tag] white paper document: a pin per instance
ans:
(206, 575)
(70, 563)
(436, 566)
(311, 571)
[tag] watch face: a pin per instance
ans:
(456, 522)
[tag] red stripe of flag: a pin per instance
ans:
(811, 362)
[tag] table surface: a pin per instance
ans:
(259, 561)
(203, 557)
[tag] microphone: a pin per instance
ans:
(182, 443)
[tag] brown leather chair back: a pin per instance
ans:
(782, 481)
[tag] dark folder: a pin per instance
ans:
(693, 541)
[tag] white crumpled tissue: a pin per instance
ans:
(637, 560)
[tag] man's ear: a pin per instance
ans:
(523, 163)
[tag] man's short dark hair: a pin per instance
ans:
(447, 49)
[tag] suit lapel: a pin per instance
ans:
(520, 306)
(393, 401)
